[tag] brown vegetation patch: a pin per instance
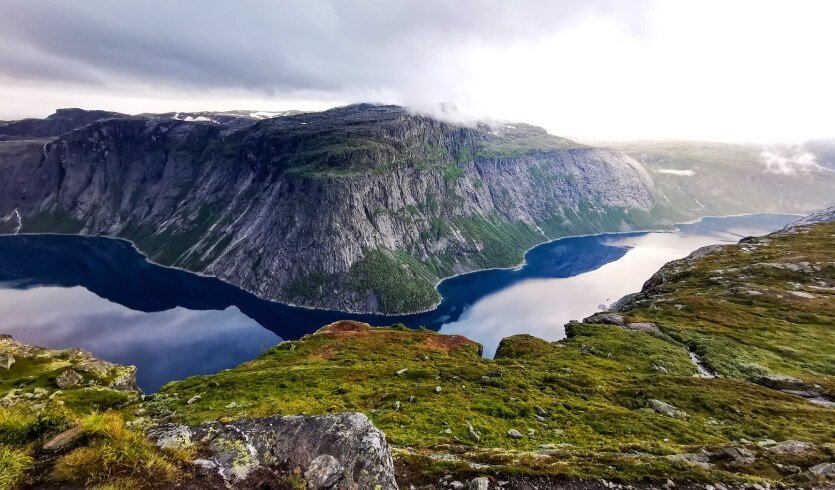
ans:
(447, 343)
(345, 327)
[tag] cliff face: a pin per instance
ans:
(359, 208)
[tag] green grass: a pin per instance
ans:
(13, 466)
(741, 335)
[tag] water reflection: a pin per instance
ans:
(166, 345)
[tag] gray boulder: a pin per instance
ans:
(6, 360)
(319, 445)
(68, 378)
(514, 434)
(480, 483)
(606, 319)
(822, 472)
(666, 409)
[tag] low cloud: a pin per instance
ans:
(673, 171)
(789, 160)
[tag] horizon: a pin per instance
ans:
(642, 70)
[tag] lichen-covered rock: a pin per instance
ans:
(68, 379)
(319, 445)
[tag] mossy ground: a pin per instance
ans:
(594, 386)
(33, 409)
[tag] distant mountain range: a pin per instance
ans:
(366, 207)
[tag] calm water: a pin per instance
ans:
(102, 295)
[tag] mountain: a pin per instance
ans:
(708, 178)
(360, 208)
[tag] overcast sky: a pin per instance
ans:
(729, 70)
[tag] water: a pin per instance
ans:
(102, 295)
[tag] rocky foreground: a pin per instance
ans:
(717, 375)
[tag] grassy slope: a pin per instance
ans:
(595, 385)
(33, 410)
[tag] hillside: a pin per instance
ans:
(359, 208)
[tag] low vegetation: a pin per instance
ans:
(613, 400)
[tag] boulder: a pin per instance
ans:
(6, 360)
(68, 378)
(514, 434)
(606, 319)
(319, 445)
(791, 447)
(480, 483)
(666, 409)
(822, 472)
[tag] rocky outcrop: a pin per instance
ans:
(823, 216)
(75, 367)
(329, 451)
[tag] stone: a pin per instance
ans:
(514, 434)
(242, 446)
(822, 472)
(456, 485)
(479, 483)
(437, 389)
(193, 400)
(738, 456)
(666, 409)
(396, 406)
(64, 440)
(473, 434)
(323, 472)
(232, 405)
(67, 379)
(204, 463)
(540, 411)
(401, 372)
(606, 319)
(791, 447)
(6, 360)
(642, 327)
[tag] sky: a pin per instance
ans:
(730, 70)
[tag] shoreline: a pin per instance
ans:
(673, 228)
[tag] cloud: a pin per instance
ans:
(789, 160)
(603, 69)
(672, 171)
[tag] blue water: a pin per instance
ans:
(101, 294)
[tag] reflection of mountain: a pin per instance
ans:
(114, 270)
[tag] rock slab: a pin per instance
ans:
(332, 450)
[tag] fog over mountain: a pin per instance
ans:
(615, 70)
